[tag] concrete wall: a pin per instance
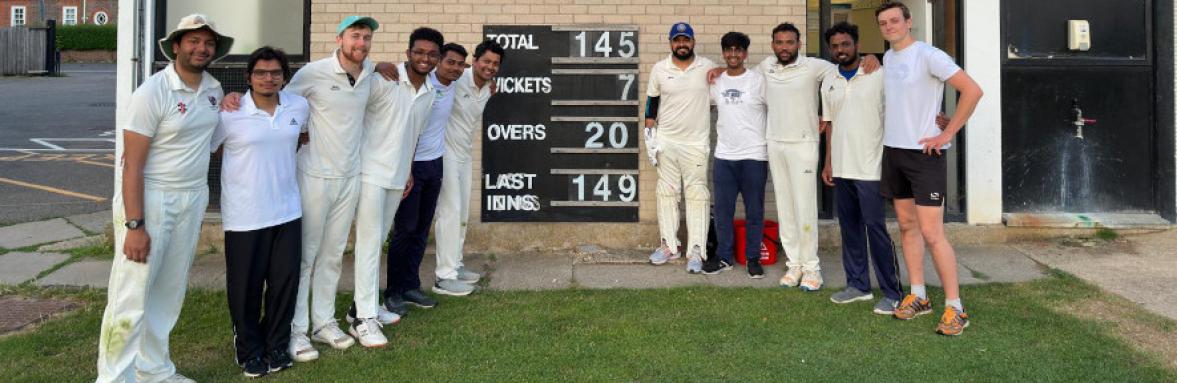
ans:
(982, 60)
(462, 21)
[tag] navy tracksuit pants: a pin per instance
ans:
(864, 229)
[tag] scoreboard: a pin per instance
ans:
(560, 138)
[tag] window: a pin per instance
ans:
(100, 18)
(18, 15)
(69, 15)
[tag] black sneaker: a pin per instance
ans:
(255, 368)
(394, 303)
(755, 271)
(715, 267)
(279, 360)
(417, 298)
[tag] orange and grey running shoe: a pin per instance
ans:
(952, 322)
(912, 306)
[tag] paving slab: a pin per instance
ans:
(75, 243)
(635, 276)
(95, 222)
(531, 271)
(86, 273)
(18, 267)
(999, 263)
(35, 233)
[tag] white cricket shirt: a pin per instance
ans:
(431, 144)
(337, 117)
(791, 92)
(855, 108)
(684, 110)
(390, 131)
(466, 118)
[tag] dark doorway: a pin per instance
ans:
(1109, 161)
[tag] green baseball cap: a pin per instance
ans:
(353, 20)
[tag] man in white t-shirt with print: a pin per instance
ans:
(915, 170)
(471, 93)
(678, 101)
(741, 156)
(161, 193)
(852, 102)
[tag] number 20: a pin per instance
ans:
(618, 135)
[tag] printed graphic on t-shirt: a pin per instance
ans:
(733, 97)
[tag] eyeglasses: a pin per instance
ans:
(260, 74)
(433, 55)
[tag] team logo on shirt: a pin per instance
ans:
(335, 87)
(293, 122)
(183, 108)
(733, 97)
(212, 100)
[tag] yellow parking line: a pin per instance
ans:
(52, 190)
(95, 163)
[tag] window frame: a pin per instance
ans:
(65, 15)
(24, 16)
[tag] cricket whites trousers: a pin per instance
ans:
(682, 172)
(453, 211)
(374, 217)
(328, 207)
(793, 166)
(144, 299)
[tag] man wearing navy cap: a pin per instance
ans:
(678, 103)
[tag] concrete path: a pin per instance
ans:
(1140, 268)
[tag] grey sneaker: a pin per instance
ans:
(470, 277)
(452, 287)
(695, 266)
(851, 294)
(662, 255)
(886, 306)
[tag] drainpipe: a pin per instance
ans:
(84, 14)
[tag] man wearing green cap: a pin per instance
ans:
(337, 89)
(159, 203)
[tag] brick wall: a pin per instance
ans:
(461, 21)
(53, 10)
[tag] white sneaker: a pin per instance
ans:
(301, 349)
(367, 330)
(386, 317)
(791, 278)
(470, 277)
(177, 378)
(333, 336)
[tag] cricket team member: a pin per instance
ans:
(915, 170)
(678, 100)
(791, 88)
(852, 101)
(159, 202)
(415, 214)
(741, 155)
(261, 212)
(471, 93)
(394, 118)
(337, 89)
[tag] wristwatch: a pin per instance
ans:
(133, 224)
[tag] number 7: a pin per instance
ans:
(629, 78)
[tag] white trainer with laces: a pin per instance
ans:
(301, 349)
(333, 336)
(367, 331)
(791, 278)
(386, 317)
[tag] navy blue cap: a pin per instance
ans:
(681, 29)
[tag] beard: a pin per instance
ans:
(684, 56)
(791, 57)
(849, 60)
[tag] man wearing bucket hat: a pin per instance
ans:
(678, 100)
(337, 89)
(159, 203)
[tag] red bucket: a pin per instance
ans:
(768, 245)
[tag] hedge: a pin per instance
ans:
(87, 37)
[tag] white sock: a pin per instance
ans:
(955, 303)
(920, 291)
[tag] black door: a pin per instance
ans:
(1050, 164)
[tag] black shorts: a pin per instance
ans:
(909, 173)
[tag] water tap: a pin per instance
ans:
(1079, 122)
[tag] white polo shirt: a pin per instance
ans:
(791, 91)
(915, 88)
(469, 102)
(180, 122)
(337, 117)
(740, 126)
(390, 129)
(258, 185)
(684, 110)
(855, 107)
(431, 144)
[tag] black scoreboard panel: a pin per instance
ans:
(560, 138)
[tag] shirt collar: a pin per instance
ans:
(207, 81)
(694, 63)
(249, 107)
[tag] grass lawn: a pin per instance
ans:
(1020, 332)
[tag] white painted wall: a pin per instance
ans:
(982, 61)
